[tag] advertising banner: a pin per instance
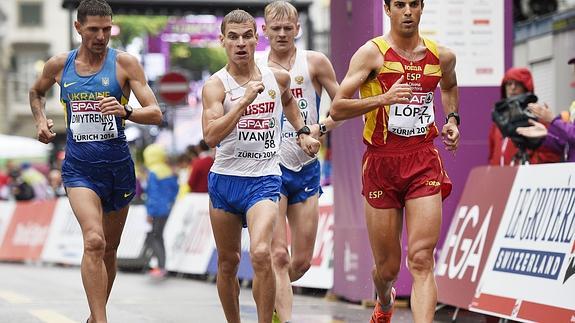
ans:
(28, 230)
(471, 234)
(188, 235)
(530, 273)
(320, 274)
(64, 244)
(134, 234)
(6, 210)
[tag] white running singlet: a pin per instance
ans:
(251, 149)
(292, 156)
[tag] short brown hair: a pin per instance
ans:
(280, 9)
(238, 16)
(388, 2)
(93, 8)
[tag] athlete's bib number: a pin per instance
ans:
(87, 123)
(257, 138)
(412, 119)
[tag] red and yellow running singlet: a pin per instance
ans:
(399, 125)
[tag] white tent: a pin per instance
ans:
(15, 147)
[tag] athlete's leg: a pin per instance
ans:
(423, 220)
(261, 218)
(281, 262)
(384, 229)
(302, 219)
(227, 229)
(87, 208)
(113, 224)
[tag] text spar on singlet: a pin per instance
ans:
(249, 129)
(88, 112)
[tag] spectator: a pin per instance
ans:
(560, 134)
(161, 191)
(502, 151)
(56, 186)
(198, 181)
(37, 180)
(20, 189)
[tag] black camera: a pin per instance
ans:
(511, 113)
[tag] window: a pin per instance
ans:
(30, 14)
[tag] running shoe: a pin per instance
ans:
(379, 316)
(276, 318)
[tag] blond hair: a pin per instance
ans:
(280, 9)
(238, 16)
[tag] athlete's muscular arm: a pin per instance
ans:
(131, 69)
(309, 145)
(216, 124)
(366, 60)
(50, 75)
(323, 72)
(449, 97)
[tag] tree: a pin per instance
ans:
(137, 26)
(197, 59)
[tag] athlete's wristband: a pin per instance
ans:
(453, 115)
(128, 110)
(322, 129)
(304, 131)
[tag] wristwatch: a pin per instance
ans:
(128, 110)
(322, 129)
(453, 115)
(304, 131)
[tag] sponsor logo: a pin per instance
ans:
(302, 104)
(307, 189)
(432, 183)
(570, 269)
(413, 68)
(126, 195)
(85, 106)
(465, 244)
(69, 84)
(257, 124)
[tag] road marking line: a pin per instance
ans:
(14, 298)
(50, 316)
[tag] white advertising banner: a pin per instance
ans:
(530, 273)
(64, 244)
(188, 235)
(474, 30)
(134, 234)
(320, 274)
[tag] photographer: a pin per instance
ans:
(560, 133)
(502, 151)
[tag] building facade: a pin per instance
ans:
(35, 30)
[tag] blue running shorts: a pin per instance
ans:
(237, 194)
(299, 186)
(115, 184)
